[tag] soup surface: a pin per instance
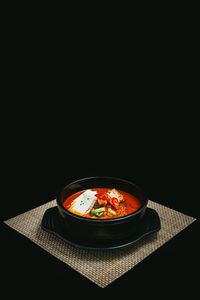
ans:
(101, 203)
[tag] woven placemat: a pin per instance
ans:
(100, 266)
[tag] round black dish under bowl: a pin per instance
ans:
(100, 230)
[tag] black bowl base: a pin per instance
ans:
(51, 223)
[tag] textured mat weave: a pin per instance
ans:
(101, 267)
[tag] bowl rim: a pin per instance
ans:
(80, 218)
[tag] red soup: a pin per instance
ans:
(101, 203)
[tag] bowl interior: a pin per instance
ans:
(102, 182)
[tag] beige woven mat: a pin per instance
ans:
(101, 267)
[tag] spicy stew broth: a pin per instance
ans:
(130, 205)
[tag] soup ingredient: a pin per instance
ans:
(84, 203)
(115, 194)
(112, 197)
(102, 200)
(106, 203)
(111, 212)
(115, 203)
(99, 212)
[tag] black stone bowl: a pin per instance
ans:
(100, 230)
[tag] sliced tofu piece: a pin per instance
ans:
(84, 203)
(114, 193)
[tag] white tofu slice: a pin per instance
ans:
(83, 203)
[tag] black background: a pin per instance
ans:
(154, 145)
(127, 110)
(77, 104)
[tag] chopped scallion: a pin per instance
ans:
(98, 211)
(112, 212)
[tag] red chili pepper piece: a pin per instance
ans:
(115, 203)
(109, 199)
(98, 196)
